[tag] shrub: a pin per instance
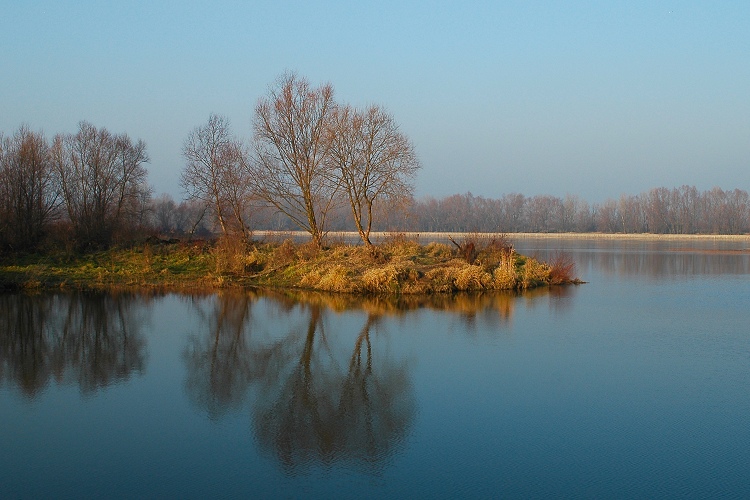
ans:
(398, 244)
(562, 269)
(472, 278)
(504, 278)
(334, 279)
(306, 251)
(283, 254)
(442, 279)
(229, 253)
(438, 250)
(534, 274)
(385, 279)
(487, 248)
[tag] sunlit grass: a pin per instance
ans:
(397, 266)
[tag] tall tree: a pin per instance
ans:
(216, 174)
(291, 171)
(102, 181)
(374, 160)
(28, 195)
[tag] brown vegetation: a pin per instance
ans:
(400, 266)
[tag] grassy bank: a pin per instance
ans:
(398, 265)
(443, 236)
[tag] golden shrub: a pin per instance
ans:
(229, 255)
(534, 273)
(471, 277)
(504, 278)
(383, 279)
(336, 279)
(311, 279)
(444, 278)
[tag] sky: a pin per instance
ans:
(590, 98)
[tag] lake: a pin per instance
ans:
(636, 384)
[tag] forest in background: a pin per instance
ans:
(683, 210)
(44, 206)
(36, 212)
(312, 164)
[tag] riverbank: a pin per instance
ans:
(444, 236)
(397, 265)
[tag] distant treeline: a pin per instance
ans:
(683, 210)
(89, 190)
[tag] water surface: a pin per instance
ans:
(634, 384)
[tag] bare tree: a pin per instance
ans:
(374, 161)
(514, 212)
(291, 171)
(163, 215)
(102, 182)
(28, 197)
(215, 174)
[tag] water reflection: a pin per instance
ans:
(671, 263)
(317, 370)
(495, 308)
(321, 396)
(655, 259)
(317, 409)
(221, 362)
(92, 340)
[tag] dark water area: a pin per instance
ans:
(632, 385)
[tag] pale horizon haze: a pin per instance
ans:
(595, 99)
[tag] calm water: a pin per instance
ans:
(636, 384)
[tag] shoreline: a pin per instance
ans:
(382, 235)
(396, 267)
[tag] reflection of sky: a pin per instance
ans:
(637, 385)
(634, 259)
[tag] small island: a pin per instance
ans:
(77, 212)
(396, 266)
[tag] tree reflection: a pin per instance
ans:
(320, 398)
(375, 409)
(319, 411)
(322, 392)
(90, 339)
(221, 363)
(488, 307)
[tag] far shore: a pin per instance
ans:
(382, 235)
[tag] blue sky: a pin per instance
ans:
(589, 98)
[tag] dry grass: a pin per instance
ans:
(401, 266)
(398, 266)
(386, 279)
(231, 255)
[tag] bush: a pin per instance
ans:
(562, 269)
(385, 279)
(504, 278)
(333, 279)
(534, 274)
(398, 244)
(230, 255)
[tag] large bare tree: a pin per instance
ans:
(374, 160)
(102, 182)
(28, 194)
(216, 174)
(291, 171)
